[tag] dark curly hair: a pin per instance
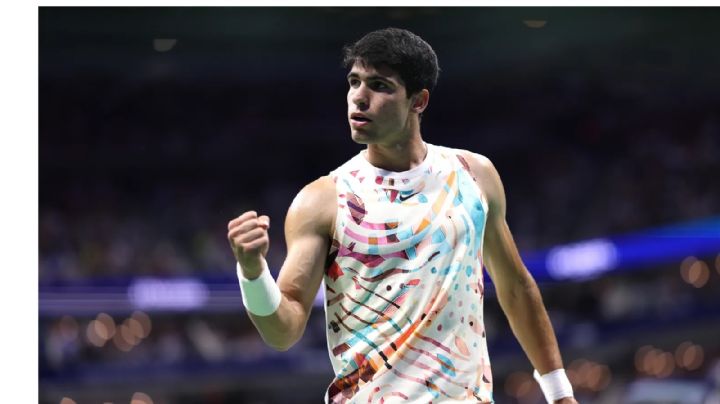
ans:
(401, 50)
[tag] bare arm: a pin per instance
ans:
(308, 226)
(517, 291)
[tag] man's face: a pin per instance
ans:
(378, 106)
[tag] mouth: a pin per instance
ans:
(359, 120)
(358, 117)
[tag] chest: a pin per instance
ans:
(440, 209)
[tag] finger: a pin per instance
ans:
(245, 216)
(255, 245)
(249, 236)
(264, 221)
(240, 230)
(247, 225)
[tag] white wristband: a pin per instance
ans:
(555, 385)
(261, 296)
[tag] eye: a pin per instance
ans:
(379, 85)
(354, 82)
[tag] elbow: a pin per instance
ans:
(281, 341)
(281, 346)
(522, 289)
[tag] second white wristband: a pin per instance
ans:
(261, 296)
(554, 385)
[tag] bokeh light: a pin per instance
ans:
(653, 363)
(685, 268)
(120, 342)
(144, 320)
(69, 327)
(699, 274)
(92, 334)
(67, 400)
(576, 376)
(689, 355)
(105, 325)
(535, 23)
(685, 265)
(665, 362)
(694, 272)
(680, 353)
(128, 334)
(640, 355)
(590, 375)
(519, 384)
(141, 398)
(604, 379)
(135, 328)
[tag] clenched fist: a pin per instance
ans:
(249, 241)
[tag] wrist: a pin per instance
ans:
(260, 295)
(251, 272)
(555, 385)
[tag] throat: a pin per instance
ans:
(397, 158)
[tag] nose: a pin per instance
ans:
(359, 97)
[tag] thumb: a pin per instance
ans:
(264, 221)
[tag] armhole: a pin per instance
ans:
(332, 247)
(483, 196)
(481, 191)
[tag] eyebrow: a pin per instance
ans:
(373, 77)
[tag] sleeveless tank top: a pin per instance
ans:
(404, 284)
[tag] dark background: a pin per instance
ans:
(600, 121)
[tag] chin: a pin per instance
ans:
(359, 137)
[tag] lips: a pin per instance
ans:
(358, 120)
(358, 117)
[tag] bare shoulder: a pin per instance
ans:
(482, 168)
(487, 177)
(314, 206)
(479, 165)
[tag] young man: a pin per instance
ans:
(399, 234)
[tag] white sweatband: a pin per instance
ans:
(261, 296)
(554, 385)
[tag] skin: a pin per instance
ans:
(394, 143)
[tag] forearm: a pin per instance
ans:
(523, 306)
(280, 308)
(282, 329)
(279, 318)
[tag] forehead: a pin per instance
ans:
(365, 70)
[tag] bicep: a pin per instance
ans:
(303, 269)
(500, 253)
(307, 233)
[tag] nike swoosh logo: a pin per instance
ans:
(404, 198)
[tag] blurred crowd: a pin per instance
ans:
(613, 331)
(141, 177)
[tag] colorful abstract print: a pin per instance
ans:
(404, 286)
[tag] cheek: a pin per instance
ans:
(400, 112)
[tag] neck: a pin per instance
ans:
(398, 156)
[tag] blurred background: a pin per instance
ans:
(158, 125)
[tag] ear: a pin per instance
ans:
(420, 101)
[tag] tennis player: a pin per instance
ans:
(399, 234)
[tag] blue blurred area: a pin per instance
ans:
(593, 258)
(159, 125)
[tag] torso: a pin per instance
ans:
(404, 288)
